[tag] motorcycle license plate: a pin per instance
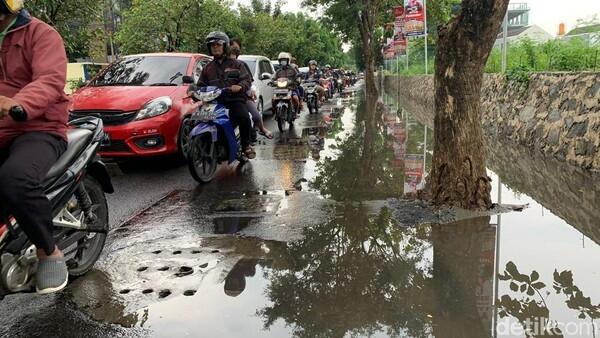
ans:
(281, 91)
(205, 113)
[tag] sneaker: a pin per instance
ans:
(52, 275)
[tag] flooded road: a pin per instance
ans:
(303, 243)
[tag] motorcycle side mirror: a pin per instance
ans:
(265, 76)
(187, 79)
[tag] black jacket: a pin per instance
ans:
(216, 74)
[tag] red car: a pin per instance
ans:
(143, 102)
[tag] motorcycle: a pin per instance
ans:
(328, 83)
(284, 109)
(76, 187)
(213, 139)
(340, 85)
(311, 96)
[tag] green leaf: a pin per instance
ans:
(511, 268)
(538, 285)
(523, 287)
(514, 286)
(504, 277)
(582, 315)
(534, 276)
(530, 291)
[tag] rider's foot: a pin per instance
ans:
(267, 133)
(52, 274)
(250, 153)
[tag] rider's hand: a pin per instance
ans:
(5, 104)
(236, 88)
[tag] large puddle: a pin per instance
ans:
(290, 263)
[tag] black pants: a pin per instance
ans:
(240, 116)
(23, 168)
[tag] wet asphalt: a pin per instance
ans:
(89, 306)
(310, 240)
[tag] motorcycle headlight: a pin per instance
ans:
(155, 107)
(340, 81)
(282, 84)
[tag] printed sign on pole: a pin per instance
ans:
(414, 13)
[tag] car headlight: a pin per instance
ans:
(155, 107)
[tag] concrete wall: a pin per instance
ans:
(558, 114)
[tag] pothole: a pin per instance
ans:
(184, 271)
(156, 252)
(164, 293)
(124, 291)
(189, 292)
(147, 291)
(195, 252)
(143, 268)
(178, 252)
(164, 268)
(231, 225)
(215, 251)
(204, 266)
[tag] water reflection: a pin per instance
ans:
(528, 302)
(363, 165)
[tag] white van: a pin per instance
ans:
(262, 72)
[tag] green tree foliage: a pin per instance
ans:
(78, 21)
(181, 25)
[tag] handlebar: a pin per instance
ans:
(18, 114)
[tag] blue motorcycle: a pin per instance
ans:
(213, 139)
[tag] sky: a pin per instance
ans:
(547, 14)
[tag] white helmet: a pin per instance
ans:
(284, 55)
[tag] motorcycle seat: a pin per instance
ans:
(77, 141)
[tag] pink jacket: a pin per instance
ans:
(33, 71)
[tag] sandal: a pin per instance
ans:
(250, 153)
(268, 135)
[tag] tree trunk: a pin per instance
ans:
(458, 176)
(463, 275)
(365, 26)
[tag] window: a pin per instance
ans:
(144, 71)
(198, 69)
(266, 67)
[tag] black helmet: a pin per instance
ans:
(217, 37)
(10, 6)
(312, 62)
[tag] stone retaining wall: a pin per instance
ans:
(557, 114)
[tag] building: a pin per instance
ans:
(590, 34)
(519, 28)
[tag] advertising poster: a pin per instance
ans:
(413, 173)
(414, 14)
(400, 42)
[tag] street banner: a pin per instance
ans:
(413, 173)
(414, 13)
(400, 43)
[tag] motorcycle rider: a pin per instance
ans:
(32, 76)
(288, 71)
(315, 74)
(236, 51)
(225, 72)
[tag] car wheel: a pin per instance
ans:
(184, 138)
